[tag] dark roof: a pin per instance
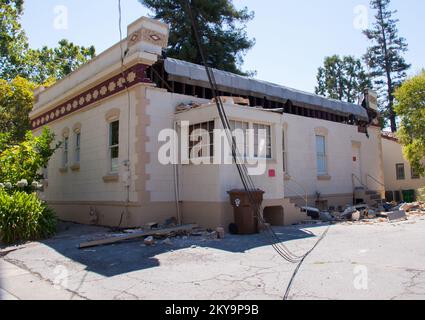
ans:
(229, 80)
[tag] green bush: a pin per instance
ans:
(421, 194)
(24, 217)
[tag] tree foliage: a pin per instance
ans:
(22, 69)
(16, 98)
(342, 78)
(385, 57)
(24, 161)
(410, 107)
(222, 28)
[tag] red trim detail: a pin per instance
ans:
(133, 76)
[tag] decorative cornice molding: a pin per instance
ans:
(120, 82)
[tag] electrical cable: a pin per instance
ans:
(247, 182)
(127, 163)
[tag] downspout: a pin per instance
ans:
(177, 180)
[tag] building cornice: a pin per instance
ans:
(116, 84)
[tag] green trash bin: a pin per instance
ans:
(409, 196)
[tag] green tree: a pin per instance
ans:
(16, 99)
(24, 161)
(410, 107)
(385, 57)
(57, 62)
(342, 78)
(13, 41)
(221, 26)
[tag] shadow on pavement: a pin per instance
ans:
(126, 257)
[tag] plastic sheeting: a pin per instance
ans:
(226, 79)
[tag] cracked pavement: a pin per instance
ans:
(386, 259)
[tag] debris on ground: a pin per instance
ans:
(362, 213)
(167, 232)
(149, 241)
(221, 233)
(397, 215)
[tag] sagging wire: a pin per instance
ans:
(247, 182)
(127, 162)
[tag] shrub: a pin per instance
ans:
(421, 194)
(24, 217)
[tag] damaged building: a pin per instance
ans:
(109, 115)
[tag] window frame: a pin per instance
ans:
(398, 177)
(413, 174)
(284, 152)
(251, 125)
(77, 147)
(113, 169)
(65, 152)
(210, 127)
(322, 155)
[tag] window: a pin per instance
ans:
(415, 174)
(400, 171)
(262, 143)
(65, 152)
(77, 147)
(322, 167)
(242, 146)
(285, 167)
(201, 136)
(114, 128)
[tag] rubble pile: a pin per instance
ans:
(388, 212)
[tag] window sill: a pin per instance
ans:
(63, 170)
(111, 178)
(324, 178)
(75, 167)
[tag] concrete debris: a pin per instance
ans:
(355, 216)
(313, 213)
(185, 107)
(168, 232)
(397, 215)
(152, 225)
(149, 241)
(221, 233)
(168, 242)
(326, 217)
(410, 206)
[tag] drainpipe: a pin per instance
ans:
(177, 182)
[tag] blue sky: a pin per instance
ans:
(293, 36)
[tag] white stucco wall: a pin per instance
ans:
(301, 155)
(87, 183)
(393, 155)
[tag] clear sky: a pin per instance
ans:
(293, 36)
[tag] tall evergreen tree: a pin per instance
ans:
(342, 78)
(385, 57)
(221, 26)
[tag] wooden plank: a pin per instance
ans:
(159, 232)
